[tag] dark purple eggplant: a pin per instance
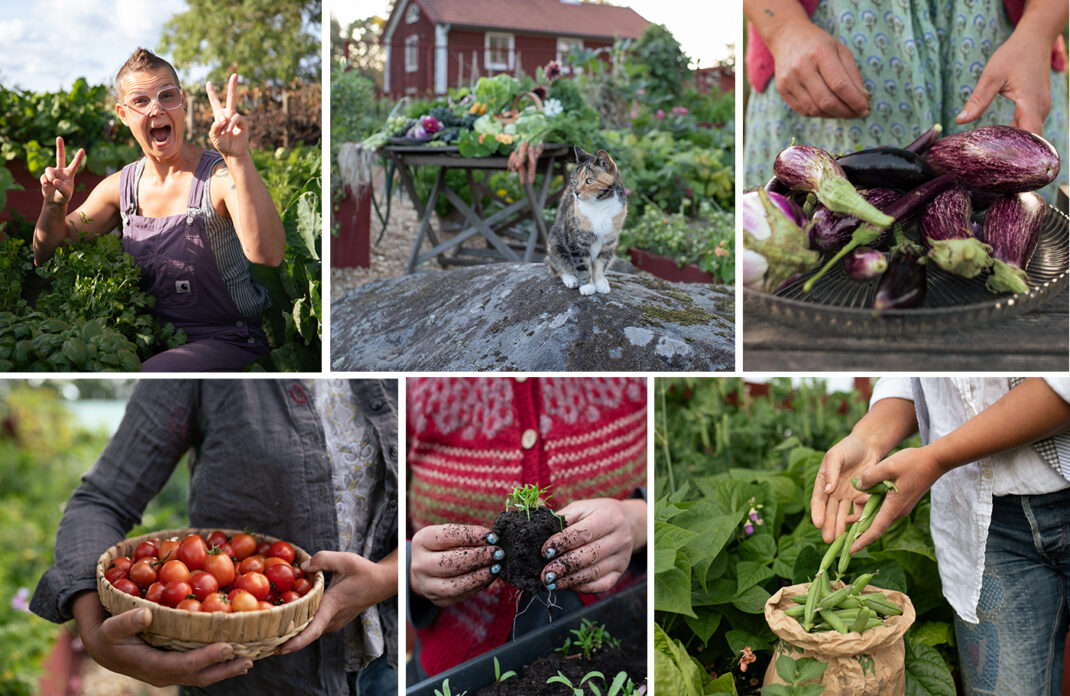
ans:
(775, 185)
(808, 168)
(996, 158)
(885, 167)
(925, 141)
(830, 231)
(864, 264)
(1012, 228)
(903, 284)
(946, 233)
(904, 208)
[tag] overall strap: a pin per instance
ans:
(128, 191)
(209, 159)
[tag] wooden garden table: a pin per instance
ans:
(1036, 341)
(489, 227)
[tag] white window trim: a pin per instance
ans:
(564, 47)
(412, 14)
(412, 53)
(510, 51)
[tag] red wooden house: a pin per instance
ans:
(432, 45)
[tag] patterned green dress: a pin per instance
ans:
(920, 62)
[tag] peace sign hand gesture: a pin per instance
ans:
(57, 183)
(229, 132)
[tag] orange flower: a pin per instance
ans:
(481, 136)
(745, 658)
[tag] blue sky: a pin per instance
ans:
(45, 45)
(703, 27)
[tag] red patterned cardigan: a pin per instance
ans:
(470, 440)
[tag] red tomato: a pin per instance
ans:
(123, 563)
(281, 577)
(155, 593)
(216, 602)
(203, 584)
(243, 601)
(221, 566)
(193, 552)
(252, 564)
(255, 584)
(283, 550)
(216, 538)
(273, 560)
(124, 585)
(264, 548)
(146, 549)
(302, 586)
(189, 605)
(173, 571)
(229, 551)
(264, 605)
(114, 574)
(175, 592)
(288, 597)
(243, 545)
(298, 573)
(143, 572)
(168, 549)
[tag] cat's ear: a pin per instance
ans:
(580, 155)
(603, 160)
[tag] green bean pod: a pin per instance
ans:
(882, 487)
(860, 583)
(799, 598)
(861, 620)
(880, 604)
(833, 551)
(811, 601)
(830, 601)
(795, 612)
(833, 620)
(860, 526)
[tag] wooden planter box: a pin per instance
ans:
(667, 269)
(352, 245)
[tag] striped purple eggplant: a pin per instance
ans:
(830, 232)
(864, 264)
(1012, 228)
(996, 158)
(926, 140)
(947, 234)
(808, 168)
(771, 230)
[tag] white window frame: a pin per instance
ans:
(412, 14)
(412, 53)
(510, 39)
(564, 47)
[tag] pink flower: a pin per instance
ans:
(640, 91)
(680, 110)
(748, 528)
(746, 657)
(430, 124)
(552, 70)
(21, 600)
(660, 114)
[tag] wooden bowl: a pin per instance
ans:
(252, 634)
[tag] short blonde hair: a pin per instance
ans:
(141, 60)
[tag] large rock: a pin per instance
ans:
(514, 316)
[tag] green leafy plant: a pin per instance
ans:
(799, 675)
(705, 240)
(590, 637)
(500, 676)
(526, 498)
(445, 690)
(577, 690)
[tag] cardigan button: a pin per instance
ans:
(527, 440)
(521, 380)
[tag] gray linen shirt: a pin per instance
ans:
(257, 460)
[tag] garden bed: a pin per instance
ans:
(532, 656)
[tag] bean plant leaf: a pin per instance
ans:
(672, 591)
(759, 547)
(704, 624)
(926, 672)
(750, 573)
(676, 672)
(932, 633)
(752, 601)
(810, 669)
(724, 684)
(738, 639)
(786, 669)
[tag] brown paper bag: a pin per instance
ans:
(859, 664)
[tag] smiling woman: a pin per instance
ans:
(193, 219)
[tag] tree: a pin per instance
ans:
(665, 63)
(266, 41)
(356, 47)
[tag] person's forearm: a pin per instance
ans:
(1043, 21)
(636, 508)
(1029, 412)
(388, 577)
(50, 231)
(770, 17)
(887, 423)
(256, 221)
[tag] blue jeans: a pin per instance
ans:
(1017, 648)
(377, 679)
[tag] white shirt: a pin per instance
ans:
(962, 498)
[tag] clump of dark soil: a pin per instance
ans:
(521, 539)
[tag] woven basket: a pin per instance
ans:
(252, 634)
(515, 113)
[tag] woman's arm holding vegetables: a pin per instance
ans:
(1020, 68)
(98, 215)
(815, 73)
(1029, 412)
(237, 183)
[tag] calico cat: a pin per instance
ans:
(583, 239)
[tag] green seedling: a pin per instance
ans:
(577, 690)
(526, 498)
(446, 690)
(499, 676)
(590, 637)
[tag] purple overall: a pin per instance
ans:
(193, 265)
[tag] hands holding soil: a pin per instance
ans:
(451, 562)
(595, 548)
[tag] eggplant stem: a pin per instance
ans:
(865, 234)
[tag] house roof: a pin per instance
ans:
(538, 17)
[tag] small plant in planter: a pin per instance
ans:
(521, 529)
(577, 690)
(445, 691)
(621, 685)
(500, 676)
(590, 637)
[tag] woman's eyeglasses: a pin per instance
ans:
(168, 99)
